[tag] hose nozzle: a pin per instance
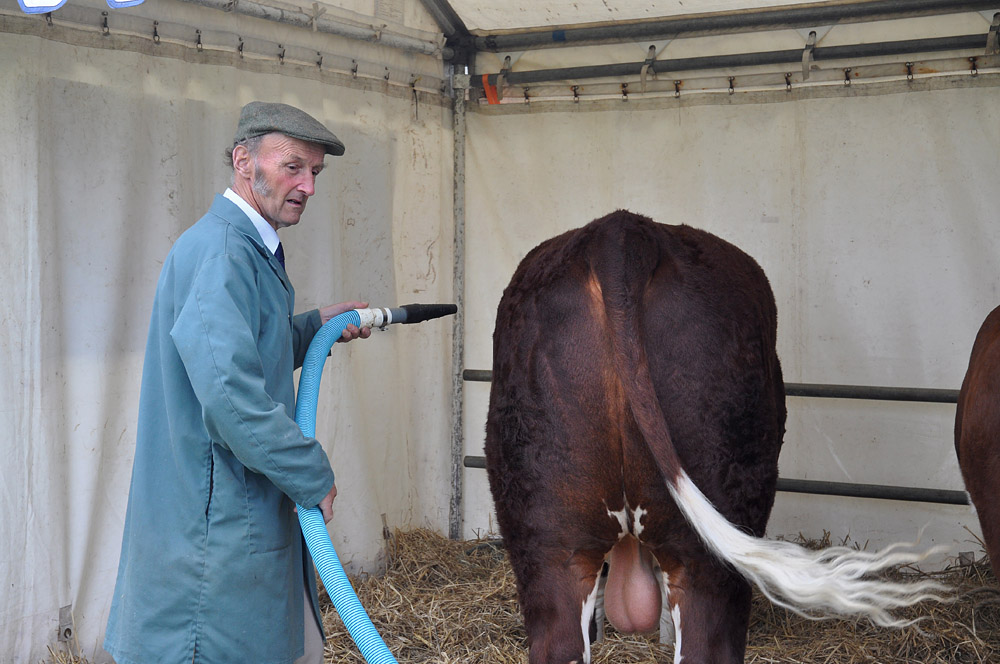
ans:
(418, 313)
(408, 313)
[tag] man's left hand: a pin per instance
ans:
(352, 331)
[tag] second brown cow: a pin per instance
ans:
(977, 433)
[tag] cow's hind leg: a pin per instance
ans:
(667, 633)
(558, 594)
(710, 611)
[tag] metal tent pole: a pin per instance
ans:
(455, 507)
(727, 22)
(328, 25)
(788, 56)
(446, 17)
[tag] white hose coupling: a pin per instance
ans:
(375, 317)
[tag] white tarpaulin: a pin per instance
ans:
(874, 216)
(872, 208)
(109, 156)
(502, 16)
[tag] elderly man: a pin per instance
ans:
(213, 567)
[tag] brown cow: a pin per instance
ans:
(636, 396)
(977, 433)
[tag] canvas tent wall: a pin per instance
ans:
(855, 161)
(869, 245)
(114, 145)
(872, 207)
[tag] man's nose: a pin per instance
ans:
(308, 185)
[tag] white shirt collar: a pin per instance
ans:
(267, 234)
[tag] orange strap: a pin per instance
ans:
(491, 90)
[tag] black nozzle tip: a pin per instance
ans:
(416, 313)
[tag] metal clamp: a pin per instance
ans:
(502, 77)
(576, 94)
(847, 75)
(239, 48)
(105, 30)
(316, 13)
(198, 44)
(974, 66)
(993, 39)
(788, 81)
(677, 88)
(281, 54)
(413, 93)
(909, 71)
(624, 91)
(319, 60)
(648, 67)
(354, 68)
(156, 34)
(732, 86)
(66, 623)
(807, 55)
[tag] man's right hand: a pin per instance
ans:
(326, 505)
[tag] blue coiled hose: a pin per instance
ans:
(344, 599)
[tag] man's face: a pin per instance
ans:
(284, 177)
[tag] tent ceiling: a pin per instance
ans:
(516, 26)
(524, 44)
(480, 17)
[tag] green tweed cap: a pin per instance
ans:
(258, 118)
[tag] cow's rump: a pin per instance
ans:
(637, 410)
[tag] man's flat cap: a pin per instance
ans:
(258, 118)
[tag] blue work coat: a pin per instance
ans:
(212, 563)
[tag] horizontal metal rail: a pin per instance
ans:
(725, 23)
(816, 487)
(871, 393)
(787, 56)
(850, 490)
(318, 23)
(477, 376)
(819, 390)
(878, 491)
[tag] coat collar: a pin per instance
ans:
(230, 212)
(267, 234)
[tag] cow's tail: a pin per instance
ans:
(815, 584)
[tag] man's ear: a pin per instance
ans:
(242, 162)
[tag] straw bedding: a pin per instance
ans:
(447, 602)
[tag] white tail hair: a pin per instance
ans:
(813, 584)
